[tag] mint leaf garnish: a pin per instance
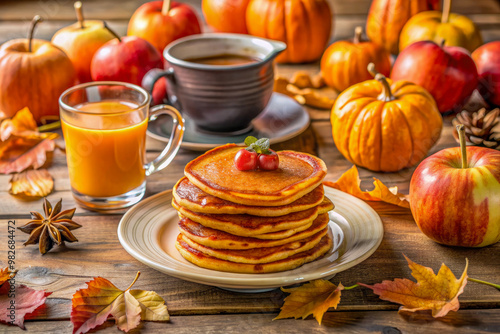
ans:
(261, 146)
(250, 140)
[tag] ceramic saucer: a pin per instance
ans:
(282, 119)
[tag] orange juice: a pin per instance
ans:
(106, 152)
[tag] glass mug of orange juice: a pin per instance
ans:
(104, 126)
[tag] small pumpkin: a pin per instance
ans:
(385, 126)
(453, 29)
(304, 25)
(344, 63)
(226, 15)
(387, 17)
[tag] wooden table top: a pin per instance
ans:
(196, 308)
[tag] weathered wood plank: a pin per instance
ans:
(122, 10)
(98, 253)
(343, 27)
(464, 321)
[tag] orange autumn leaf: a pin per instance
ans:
(22, 146)
(438, 293)
(31, 184)
(315, 298)
(22, 124)
(92, 306)
(350, 182)
(6, 275)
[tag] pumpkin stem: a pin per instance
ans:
(165, 8)
(446, 11)
(386, 88)
(79, 13)
(358, 32)
(463, 146)
(111, 31)
(34, 22)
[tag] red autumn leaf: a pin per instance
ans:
(438, 293)
(22, 146)
(19, 303)
(315, 298)
(92, 306)
(349, 182)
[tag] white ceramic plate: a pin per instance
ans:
(148, 232)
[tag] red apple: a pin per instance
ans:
(487, 58)
(33, 74)
(162, 22)
(448, 72)
(125, 59)
(455, 205)
(80, 41)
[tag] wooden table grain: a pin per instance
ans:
(199, 308)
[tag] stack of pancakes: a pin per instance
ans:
(252, 221)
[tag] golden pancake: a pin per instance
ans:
(250, 226)
(206, 261)
(218, 239)
(193, 198)
(258, 255)
(214, 173)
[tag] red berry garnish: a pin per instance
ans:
(269, 161)
(245, 159)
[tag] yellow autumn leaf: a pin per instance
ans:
(126, 311)
(31, 184)
(152, 305)
(315, 298)
(349, 182)
(438, 293)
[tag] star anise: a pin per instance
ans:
(55, 228)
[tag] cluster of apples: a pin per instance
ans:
(34, 72)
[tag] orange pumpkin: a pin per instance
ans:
(344, 62)
(385, 126)
(304, 25)
(226, 15)
(387, 18)
(450, 28)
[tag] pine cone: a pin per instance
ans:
(482, 128)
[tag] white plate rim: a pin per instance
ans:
(259, 281)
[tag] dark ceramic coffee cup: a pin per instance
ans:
(219, 98)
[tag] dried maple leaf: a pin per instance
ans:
(315, 298)
(27, 300)
(349, 182)
(92, 306)
(438, 293)
(31, 184)
(22, 146)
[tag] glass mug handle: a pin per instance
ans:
(174, 143)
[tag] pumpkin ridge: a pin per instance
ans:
(403, 114)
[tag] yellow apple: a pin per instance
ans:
(80, 41)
